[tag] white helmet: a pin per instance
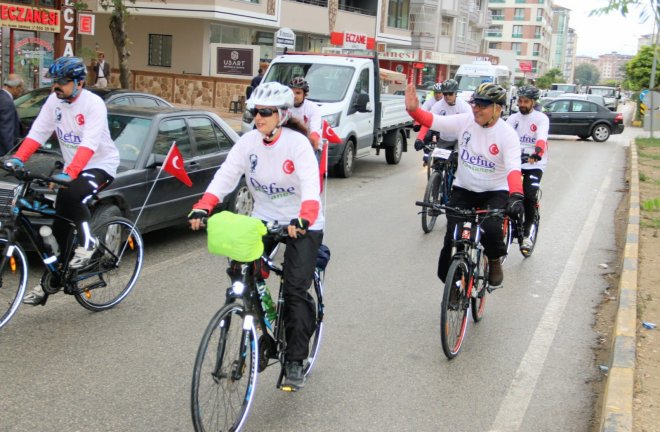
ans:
(271, 94)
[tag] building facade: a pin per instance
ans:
(560, 19)
(612, 66)
(569, 58)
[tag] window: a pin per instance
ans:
(539, 14)
(537, 32)
(580, 106)
(517, 47)
(170, 131)
(143, 101)
(493, 45)
(461, 30)
(397, 13)
(204, 134)
(445, 28)
(160, 50)
(517, 31)
(494, 31)
(225, 143)
(519, 14)
(559, 106)
(361, 87)
(537, 47)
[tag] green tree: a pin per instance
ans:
(586, 74)
(638, 69)
(554, 75)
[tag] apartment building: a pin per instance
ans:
(612, 66)
(569, 59)
(525, 27)
(560, 19)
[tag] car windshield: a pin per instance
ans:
(605, 92)
(29, 105)
(327, 83)
(470, 83)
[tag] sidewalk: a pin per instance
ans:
(232, 119)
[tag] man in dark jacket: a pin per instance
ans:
(10, 125)
(102, 71)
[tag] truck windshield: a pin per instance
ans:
(604, 92)
(470, 83)
(566, 88)
(327, 83)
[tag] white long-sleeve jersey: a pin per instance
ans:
(442, 108)
(486, 156)
(531, 128)
(280, 175)
(84, 122)
(310, 114)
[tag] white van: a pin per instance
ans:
(471, 75)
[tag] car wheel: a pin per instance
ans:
(600, 133)
(242, 201)
(102, 214)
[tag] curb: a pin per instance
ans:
(617, 411)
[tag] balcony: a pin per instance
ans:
(521, 1)
(497, 1)
(494, 34)
(497, 17)
(357, 10)
(517, 35)
(518, 18)
(536, 53)
(323, 3)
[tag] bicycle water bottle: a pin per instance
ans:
(266, 303)
(49, 240)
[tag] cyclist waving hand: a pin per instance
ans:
(282, 174)
(488, 174)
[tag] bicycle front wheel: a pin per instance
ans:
(13, 280)
(115, 267)
(454, 309)
(315, 341)
(432, 195)
(225, 373)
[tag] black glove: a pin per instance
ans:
(417, 127)
(537, 155)
(515, 207)
(419, 144)
(300, 223)
(197, 214)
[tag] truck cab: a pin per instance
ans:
(471, 75)
(609, 94)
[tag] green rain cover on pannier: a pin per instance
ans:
(235, 236)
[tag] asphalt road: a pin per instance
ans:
(527, 366)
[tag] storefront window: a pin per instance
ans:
(33, 55)
(429, 74)
(244, 36)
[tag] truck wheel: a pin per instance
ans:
(394, 150)
(344, 167)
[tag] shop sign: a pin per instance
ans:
(494, 60)
(86, 24)
(285, 38)
(349, 40)
(33, 40)
(525, 66)
(69, 15)
(234, 61)
(29, 18)
(439, 58)
(399, 54)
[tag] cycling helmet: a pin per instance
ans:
(437, 87)
(490, 92)
(300, 82)
(271, 94)
(449, 86)
(67, 67)
(530, 92)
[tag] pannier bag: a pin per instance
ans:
(235, 236)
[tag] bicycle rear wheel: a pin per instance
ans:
(13, 280)
(315, 341)
(508, 228)
(479, 290)
(454, 309)
(115, 267)
(432, 195)
(533, 235)
(225, 372)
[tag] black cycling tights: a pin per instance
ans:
(531, 185)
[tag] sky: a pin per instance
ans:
(607, 33)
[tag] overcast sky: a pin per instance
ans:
(604, 34)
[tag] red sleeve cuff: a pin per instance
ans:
(309, 210)
(424, 118)
(542, 145)
(27, 148)
(515, 182)
(208, 202)
(80, 159)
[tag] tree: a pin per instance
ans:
(586, 74)
(554, 75)
(652, 8)
(638, 69)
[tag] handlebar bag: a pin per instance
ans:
(235, 236)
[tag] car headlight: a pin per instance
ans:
(247, 116)
(333, 119)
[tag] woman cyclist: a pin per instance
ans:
(282, 174)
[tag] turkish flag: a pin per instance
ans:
(330, 134)
(174, 165)
(323, 164)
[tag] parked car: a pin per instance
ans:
(29, 104)
(581, 117)
(590, 97)
(144, 137)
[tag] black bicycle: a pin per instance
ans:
(438, 188)
(240, 341)
(466, 284)
(101, 284)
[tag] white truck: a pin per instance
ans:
(471, 75)
(348, 91)
(610, 95)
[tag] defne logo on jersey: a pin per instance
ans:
(288, 166)
(253, 162)
(58, 114)
(466, 139)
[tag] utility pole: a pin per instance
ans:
(652, 83)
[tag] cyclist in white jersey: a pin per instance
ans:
(79, 118)
(426, 106)
(282, 174)
(488, 174)
(532, 128)
(306, 111)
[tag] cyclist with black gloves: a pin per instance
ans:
(80, 120)
(306, 111)
(532, 127)
(283, 176)
(488, 174)
(426, 106)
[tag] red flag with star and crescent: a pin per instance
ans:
(332, 137)
(174, 165)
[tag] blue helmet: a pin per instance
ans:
(67, 67)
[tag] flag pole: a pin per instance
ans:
(154, 184)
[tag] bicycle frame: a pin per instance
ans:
(467, 247)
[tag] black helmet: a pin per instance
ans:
(490, 92)
(450, 86)
(300, 82)
(530, 92)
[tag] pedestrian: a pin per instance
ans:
(102, 71)
(254, 83)
(10, 125)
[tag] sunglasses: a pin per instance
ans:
(448, 94)
(62, 81)
(480, 103)
(263, 112)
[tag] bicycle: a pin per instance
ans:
(466, 284)
(239, 341)
(101, 284)
(512, 227)
(438, 188)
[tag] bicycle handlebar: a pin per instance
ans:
(25, 176)
(463, 212)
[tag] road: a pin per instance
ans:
(527, 366)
